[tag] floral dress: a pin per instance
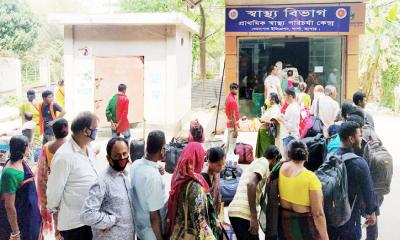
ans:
(201, 218)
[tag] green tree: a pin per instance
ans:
(18, 28)
(380, 44)
(209, 14)
(390, 80)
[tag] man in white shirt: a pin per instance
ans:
(149, 196)
(328, 108)
(272, 83)
(291, 117)
(318, 92)
(72, 174)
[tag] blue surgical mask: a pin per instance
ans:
(93, 134)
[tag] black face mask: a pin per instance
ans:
(31, 98)
(120, 164)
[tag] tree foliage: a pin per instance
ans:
(18, 28)
(390, 80)
(152, 5)
(214, 15)
(380, 45)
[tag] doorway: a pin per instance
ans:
(315, 60)
(109, 73)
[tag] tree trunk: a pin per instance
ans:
(202, 38)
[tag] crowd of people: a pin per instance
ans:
(69, 199)
(298, 190)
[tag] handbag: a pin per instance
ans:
(272, 130)
(187, 235)
(317, 125)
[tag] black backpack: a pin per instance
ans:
(333, 176)
(316, 151)
(379, 160)
(136, 149)
(172, 155)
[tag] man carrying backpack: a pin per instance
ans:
(381, 168)
(359, 185)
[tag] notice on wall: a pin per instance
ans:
(84, 84)
(319, 69)
(290, 19)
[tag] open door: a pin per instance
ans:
(109, 73)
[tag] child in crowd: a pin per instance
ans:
(303, 97)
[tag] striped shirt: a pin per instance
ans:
(239, 207)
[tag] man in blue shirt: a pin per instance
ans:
(360, 186)
(349, 112)
(149, 196)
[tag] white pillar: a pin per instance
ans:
(44, 71)
(68, 71)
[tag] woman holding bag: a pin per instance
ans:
(190, 211)
(269, 127)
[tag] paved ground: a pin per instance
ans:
(387, 126)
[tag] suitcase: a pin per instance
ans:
(136, 149)
(245, 152)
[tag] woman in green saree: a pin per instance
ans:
(271, 116)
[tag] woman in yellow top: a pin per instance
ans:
(60, 129)
(301, 198)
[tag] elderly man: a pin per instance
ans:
(327, 106)
(72, 174)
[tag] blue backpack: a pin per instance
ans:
(229, 182)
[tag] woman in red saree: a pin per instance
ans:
(189, 187)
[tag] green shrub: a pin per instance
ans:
(390, 79)
(11, 101)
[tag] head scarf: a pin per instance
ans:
(196, 132)
(190, 165)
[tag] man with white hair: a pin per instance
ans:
(328, 107)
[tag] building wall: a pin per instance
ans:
(357, 25)
(158, 45)
(10, 76)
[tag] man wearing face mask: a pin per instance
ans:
(148, 191)
(108, 208)
(72, 174)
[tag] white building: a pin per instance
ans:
(150, 52)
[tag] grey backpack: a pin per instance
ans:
(379, 160)
(333, 176)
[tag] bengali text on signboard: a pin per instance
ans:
(290, 19)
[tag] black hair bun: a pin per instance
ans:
(299, 154)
